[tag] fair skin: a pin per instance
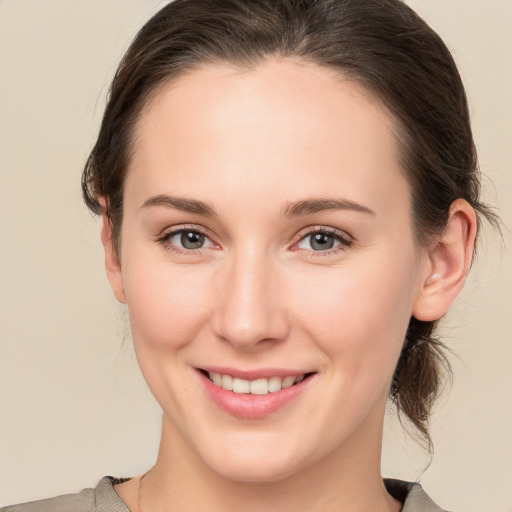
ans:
(267, 232)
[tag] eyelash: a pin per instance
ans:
(344, 241)
(165, 240)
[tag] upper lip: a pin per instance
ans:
(261, 373)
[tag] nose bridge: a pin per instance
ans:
(250, 309)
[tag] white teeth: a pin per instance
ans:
(288, 381)
(259, 387)
(254, 387)
(241, 386)
(227, 382)
(274, 384)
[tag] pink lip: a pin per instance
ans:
(263, 373)
(247, 406)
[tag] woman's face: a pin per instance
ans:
(267, 234)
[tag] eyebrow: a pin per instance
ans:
(310, 206)
(298, 208)
(180, 203)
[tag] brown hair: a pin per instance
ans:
(382, 44)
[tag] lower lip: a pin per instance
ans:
(248, 406)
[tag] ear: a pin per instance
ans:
(112, 261)
(449, 260)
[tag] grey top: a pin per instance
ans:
(105, 499)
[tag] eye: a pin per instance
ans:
(188, 239)
(323, 240)
(183, 240)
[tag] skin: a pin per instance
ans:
(251, 144)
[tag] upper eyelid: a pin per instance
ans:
(345, 240)
(322, 229)
(301, 234)
(165, 236)
(172, 230)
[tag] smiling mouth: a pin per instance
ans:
(261, 386)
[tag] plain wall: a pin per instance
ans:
(73, 406)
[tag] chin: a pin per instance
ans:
(256, 462)
(254, 473)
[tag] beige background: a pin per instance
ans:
(73, 406)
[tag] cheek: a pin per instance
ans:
(168, 308)
(359, 316)
(168, 305)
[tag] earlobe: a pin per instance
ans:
(112, 261)
(449, 262)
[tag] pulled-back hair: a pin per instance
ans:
(384, 46)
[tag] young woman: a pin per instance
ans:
(290, 202)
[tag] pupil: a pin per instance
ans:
(192, 240)
(322, 242)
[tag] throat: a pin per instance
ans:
(182, 480)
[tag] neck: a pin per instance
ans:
(346, 479)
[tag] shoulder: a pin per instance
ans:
(103, 498)
(412, 495)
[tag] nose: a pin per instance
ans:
(250, 308)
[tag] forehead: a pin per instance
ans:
(283, 123)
